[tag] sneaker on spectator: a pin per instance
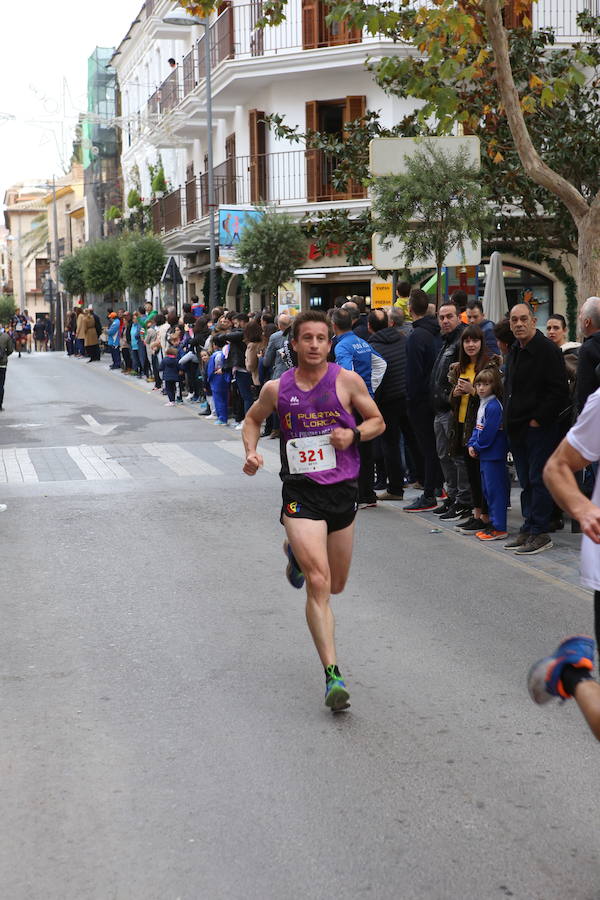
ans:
(239, 426)
(443, 508)
(421, 504)
(454, 512)
(366, 504)
(490, 534)
(170, 403)
(521, 538)
(471, 526)
(536, 544)
(387, 495)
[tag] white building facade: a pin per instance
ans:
(312, 74)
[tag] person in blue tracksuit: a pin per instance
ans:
(488, 442)
(113, 340)
(219, 380)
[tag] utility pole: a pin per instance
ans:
(58, 321)
(211, 181)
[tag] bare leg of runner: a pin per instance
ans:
(339, 552)
(308, 539)
(587, 696)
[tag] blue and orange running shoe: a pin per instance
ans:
(544, 678)
(293, 573)
(336, 692)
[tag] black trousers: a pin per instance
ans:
(2, 380)
(597, 619)
(421, 418)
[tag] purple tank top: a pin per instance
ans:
(311, 413)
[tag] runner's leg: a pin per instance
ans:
(308, 539)
(339, 552)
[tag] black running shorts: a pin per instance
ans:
(335, 504)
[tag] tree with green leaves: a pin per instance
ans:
(270, 249)
(143, 260)
(436, 204)
(453, 74)
(7, 308)
(71, 273)
(102, 268)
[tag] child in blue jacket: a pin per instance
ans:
(171, 373)
(488, 442)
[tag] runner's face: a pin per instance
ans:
(312, 344)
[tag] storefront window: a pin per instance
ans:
(523, 285)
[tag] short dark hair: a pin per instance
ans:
(360, 302)
(267, 317)
(311, 315)
(503, 332)
(418, 301)
(241, 317)
(475, 303)
(403, 289)
(460, 299)
(449, 303)
(342, 319)
(378, 319)
(339, 302)
(159, 319)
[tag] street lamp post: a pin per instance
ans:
(180, 16)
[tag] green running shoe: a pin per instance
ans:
(336, 694)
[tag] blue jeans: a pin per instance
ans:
(244, 383)
(116, 357)
(136, 362)
(531, 449)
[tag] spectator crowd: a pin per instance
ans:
(467, 402)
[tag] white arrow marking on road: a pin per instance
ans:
(96, 427)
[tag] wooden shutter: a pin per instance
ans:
(310, 24)
(354, 108)
(312, 156)
(514, 19)
(230, 180)
(258, 161)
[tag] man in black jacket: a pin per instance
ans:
(589, 352)
(536, 392)
(458, 503)
(422, 348)
(390, 397)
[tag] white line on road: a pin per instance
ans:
(16, 467)
(272, 462)
(95, 463)
(180, 461)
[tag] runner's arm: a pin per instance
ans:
(560, 480)
(359, 398)
(255, 416)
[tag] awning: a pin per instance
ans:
(322, 272)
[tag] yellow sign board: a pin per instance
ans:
(382, 292)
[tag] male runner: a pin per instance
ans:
(567, 672)
(319, 469)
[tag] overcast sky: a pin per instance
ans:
(44, 47)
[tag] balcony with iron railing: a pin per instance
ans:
(279, 178)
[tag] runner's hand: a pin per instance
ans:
(590, 523)
(341, 438)
(254, 462)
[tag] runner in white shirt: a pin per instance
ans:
(567, 672)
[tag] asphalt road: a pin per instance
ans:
(162, 728)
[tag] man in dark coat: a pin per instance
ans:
(536, 392)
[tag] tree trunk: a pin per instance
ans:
(438, 284)
(588, 258)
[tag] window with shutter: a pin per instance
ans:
(354, 108)
(316, 32)
(312, 156)
(258, 159)
(330, 117)
(230, 186)
(310, 24)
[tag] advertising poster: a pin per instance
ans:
(231, 226)
(288, 298)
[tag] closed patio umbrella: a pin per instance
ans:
(495, 304)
